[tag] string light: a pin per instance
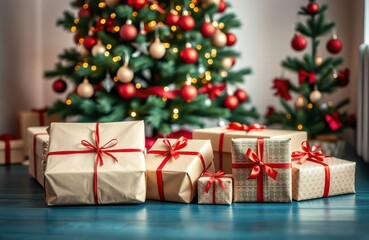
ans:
(138, 85)
(215, 24)
(85, 6)
(300, 127)
(116, 59)
(192, 5)
(76, 21)
(73, 29)
(106, 53)
(102, 5)
(175, 50)
(164, 98)
(175, 110)
(288, 116)
(166, 89)
(116, 29)
(166, 45)
(85, 65)
(113, 15)
(68, 101)
(77, 68)
(310, 105)
(223, 74)
(198, 47)
(108, 46)
(133, 114)
(210, 61)
(208, 77)
(175, 116)
(204, 81)
(115, 79)
(178, 8)
(207, 55)
(221, 25)
(196, 9)
(152, 24)
(134, 14)
(318, 60)
(154, 7)
(103, 21)
(213, 53)
(93, 68)
(194, 80)
(173, 28)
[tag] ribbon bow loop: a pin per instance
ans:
(213, 178)
(7, 137)
(314, 153)
(257, 169)
(309, 76)
(173, 148)
(243, 127)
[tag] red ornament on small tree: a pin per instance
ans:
(312, 8)
(127, 90)
(298, 42)
(84, 12)
(59, 85)
(128, 31)
(241, 95)
(188, 92)
(231, 102)
(89, 42)
(186, 22)
(231, 39)
(188, 55)
(222, 6)
(334, 45)
(137, 4)
(172, 18)
(207, 29)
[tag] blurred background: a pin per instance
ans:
(31, 42)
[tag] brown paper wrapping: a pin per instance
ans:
(179, 175)
(222, 196)
(69, 178)
(36, 169)
(16, 151)
(308, 179)
(297, 137)
(28, 119)
(275, 151)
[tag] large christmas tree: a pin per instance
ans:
(315, 76)
(167, 62)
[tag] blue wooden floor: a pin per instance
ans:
(24, 215)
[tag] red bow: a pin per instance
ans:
(213, 178)
(213, 91)
(172, 149)
(282, 88)
(315, 153)
(310, 76)
(6, 138)
(158, 91)
(333, 121)
(243, 127)
(258, 159)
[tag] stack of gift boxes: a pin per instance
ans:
(107, 163)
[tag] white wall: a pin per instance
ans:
(30, 43)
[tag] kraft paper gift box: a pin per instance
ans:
(11, 150)
(92, 163)
(173, 167)
(221, 137)
(38, 140)
(261, 170)
(320, 176)
(215, 188)
(34, 118)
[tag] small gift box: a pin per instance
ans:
(38, 140)
(100, 163)
(173, 167)
(215, 188)
(34, 118)
(261, 170)
(316, 175)
(11, 149)
(221, 137)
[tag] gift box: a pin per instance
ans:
(221, 137)
(215, 188)
(316, 175)
(38, 140)
(96, 163)
(34, 118)
(11, 149)
(261, 170)
(173, 167)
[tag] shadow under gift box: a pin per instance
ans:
(69, 178)
(179, 175)
(222, 148)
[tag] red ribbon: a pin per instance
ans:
(315, 155)
(6, 138)
(235, 126)
(158, 91)
(34, 152)
(333, 121)
(258, 166)
(310, 76)
(213, 90)
(41, 115)
(100, 151)
(172, 151)
(214, 177)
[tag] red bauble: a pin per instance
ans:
(231, 102)
(222, 6)
(59, 85)
(89, 42)
(334, 45)
(127, 90)
(207, 29)
(83, 12)
(172, 18)
(186, 22)
(312, 8)
(298, 42)
(188, 92)
(109, 25)
(241, 95)
(77, 38)
(188, 55)
(128, 31)
(231, 39)
(137, 4)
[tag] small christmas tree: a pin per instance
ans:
(167, 62)
(315, 77)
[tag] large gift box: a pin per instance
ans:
(34, 118)
(221, 137)
(92, 163)
(261, 170)
(316, 175)
(215, 188)
(38, 140)
(11, 149)
(173, 167)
